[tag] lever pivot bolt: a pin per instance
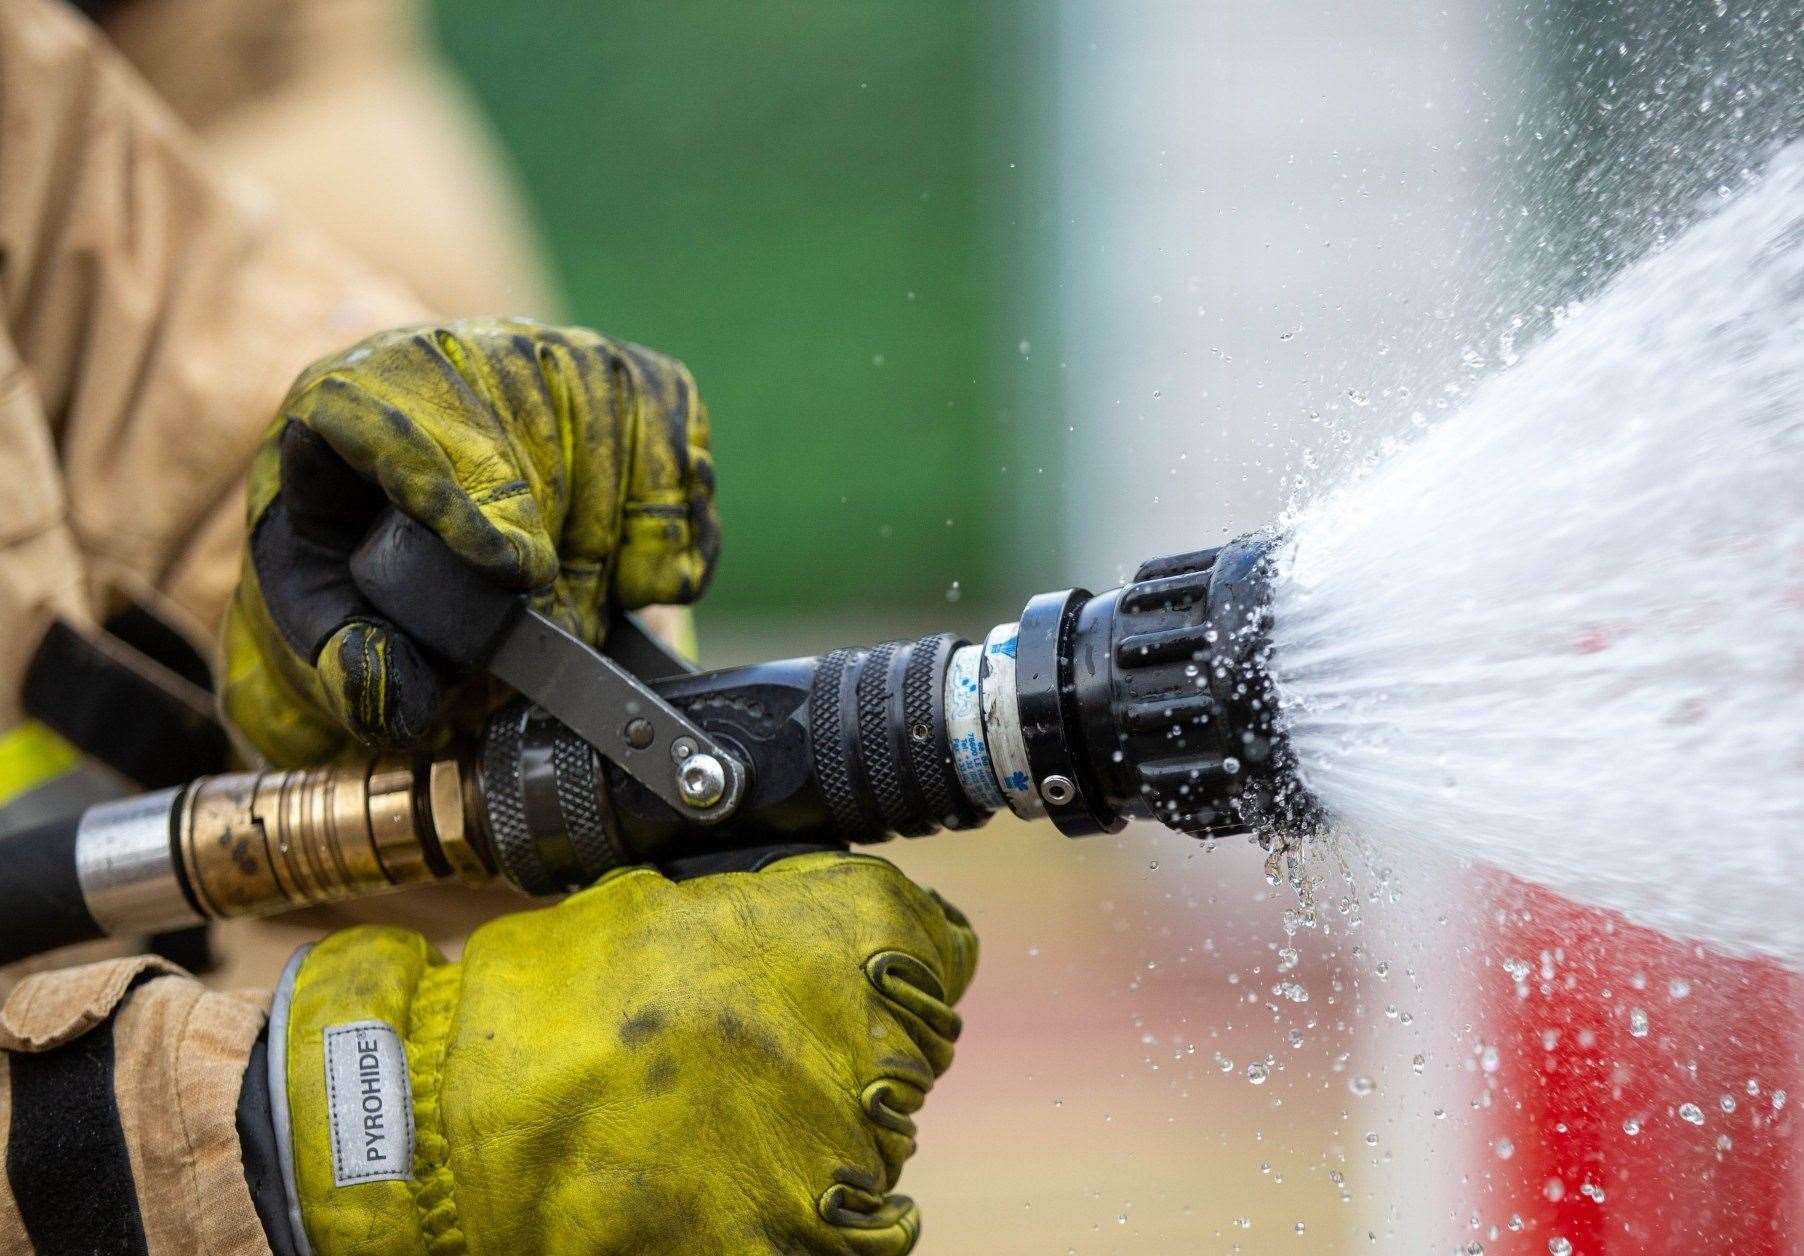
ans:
(702, 780)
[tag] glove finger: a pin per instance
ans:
(916, 997)
(958, 949)
(939, 930)
(330, 504)
(670, 533)
(301, 544)
(264, 703)
(431, 417)
(889, 1104)
(870, 1223)
(379, 685)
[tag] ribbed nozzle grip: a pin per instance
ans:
(877, 734)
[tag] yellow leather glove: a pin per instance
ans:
(554, 460)
(726, 1064)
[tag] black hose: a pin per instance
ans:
(41, 905)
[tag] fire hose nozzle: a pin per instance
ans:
(1150, 701)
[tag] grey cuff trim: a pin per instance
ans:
(278, 1094)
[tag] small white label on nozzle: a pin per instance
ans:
(964, 729)
(1002, 723)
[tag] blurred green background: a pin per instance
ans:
(835, 215)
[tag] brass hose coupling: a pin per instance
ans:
(253, 843)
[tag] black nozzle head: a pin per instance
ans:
(1271, 797)
(1179, 709)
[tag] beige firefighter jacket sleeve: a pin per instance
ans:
(154, 315)
(119, 1088)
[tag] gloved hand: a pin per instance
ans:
(726, 1064)
(556, 461)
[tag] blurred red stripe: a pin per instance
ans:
(1593, 1098)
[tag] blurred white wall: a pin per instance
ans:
(1262, 201)
(1265, 211)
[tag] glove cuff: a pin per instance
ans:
(363, 1046)
(276, 1059)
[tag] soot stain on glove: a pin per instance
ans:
(641, 1026)
(749, 1039)
(661, 1077)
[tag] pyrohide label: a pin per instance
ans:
(369, 1103)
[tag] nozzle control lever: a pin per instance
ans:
(415, 579)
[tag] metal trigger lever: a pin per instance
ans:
(414, 578)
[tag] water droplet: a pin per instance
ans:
(1678, 988)
(1637, 1023)
(1631, 1126)
(1504, 1148)
(1691, 1113)
(1418, 1062)
(1558, 1246)
(1361, 1086)
(1257, 1073)
(1726, 1103)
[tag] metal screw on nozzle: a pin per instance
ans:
(702, 780)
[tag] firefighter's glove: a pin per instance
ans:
(726, 1064)
(554, 460)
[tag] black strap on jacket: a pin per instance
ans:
(66, 1159)
(143, 716)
